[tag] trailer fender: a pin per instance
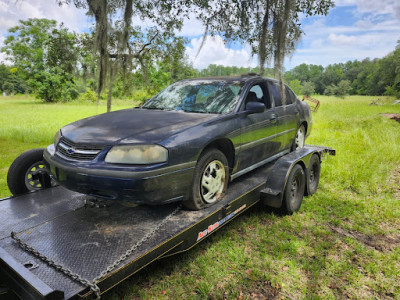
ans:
(272, 194)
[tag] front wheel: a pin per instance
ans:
(28, 173)
(210, 180)
(299, 139)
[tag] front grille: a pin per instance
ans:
(69, 150)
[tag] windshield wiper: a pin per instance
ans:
(195, 111)
(151, 107)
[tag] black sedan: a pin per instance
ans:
(184, 144)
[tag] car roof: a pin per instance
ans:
(242, 78)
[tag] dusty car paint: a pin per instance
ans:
(248, 141)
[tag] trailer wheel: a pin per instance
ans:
(210, 180)
(28, 173)
(294, 190)
(314, 172)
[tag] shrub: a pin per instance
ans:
(8, 87)
(330, 90)
(343, 88)
(89, 96)
(296, 87)
(141, 95)
(308, 88)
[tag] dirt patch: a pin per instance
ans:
(261, 291)
(378, 242)
(395, 117)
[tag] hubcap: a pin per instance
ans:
(213, 181)
(33, 177)
(299, 140)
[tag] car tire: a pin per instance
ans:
(313, 174)
(299, 139)
(294, 190)
(28, 173)
(210, 180)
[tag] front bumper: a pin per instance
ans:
(153, 186)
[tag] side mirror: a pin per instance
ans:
(253, 107)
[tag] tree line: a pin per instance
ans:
(365, 77)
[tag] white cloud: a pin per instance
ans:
(373, 6)
(337, 48)
(191, 27)
(13, 11)
(214, 51)
(341, 39)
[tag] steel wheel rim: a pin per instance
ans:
(212, 181)
(299, 140)
(295, 187)
(313, 173)
(32, 176)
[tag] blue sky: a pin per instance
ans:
(354, 29)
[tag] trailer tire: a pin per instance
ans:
(294, 190)
(214, 162)
(27, 173)
(313, 174)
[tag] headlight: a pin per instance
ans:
(57, 138)
(141, 154)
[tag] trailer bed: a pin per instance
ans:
(86, 240)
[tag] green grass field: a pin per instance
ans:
(343, 243)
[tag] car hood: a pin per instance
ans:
(132, 126)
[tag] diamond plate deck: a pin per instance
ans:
(87, 240)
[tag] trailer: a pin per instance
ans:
(59, 244)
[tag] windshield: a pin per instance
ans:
(197, 96)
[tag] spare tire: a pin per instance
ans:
(28, 173)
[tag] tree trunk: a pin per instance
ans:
(262, 56)
(110, 87)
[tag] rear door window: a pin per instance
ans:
(275, 93)
(289, 96)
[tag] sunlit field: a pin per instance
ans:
(343, 243)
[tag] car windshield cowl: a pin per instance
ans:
(198, 96)
(153, 107)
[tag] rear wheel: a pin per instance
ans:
(210, 180)
(299, 139)
(294, 190)
(28, 173)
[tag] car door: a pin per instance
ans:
(287, 115)
(258, 130)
